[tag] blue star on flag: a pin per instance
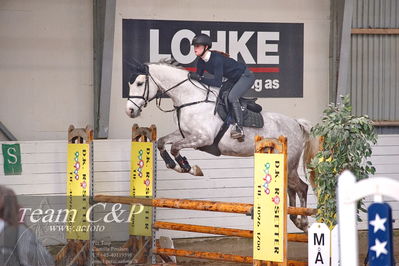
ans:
(380, 234)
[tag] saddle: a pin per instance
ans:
(251, 110)
(251, 116)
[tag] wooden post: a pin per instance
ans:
(274, 146)
(78, 248)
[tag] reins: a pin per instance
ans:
(159, 96)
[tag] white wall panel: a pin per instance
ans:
(46, 55)
(46, 60)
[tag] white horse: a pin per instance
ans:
(199, 125)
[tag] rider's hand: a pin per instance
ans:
(194, 76)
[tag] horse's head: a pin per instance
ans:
(140, 92)
(165, 79)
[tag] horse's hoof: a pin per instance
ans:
(250, 213)
(302, 223)
(196, 171)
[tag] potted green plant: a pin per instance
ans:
(346, 145)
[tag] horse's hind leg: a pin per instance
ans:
(292, 203)
(298, 187)
(302, 193)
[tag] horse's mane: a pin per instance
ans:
(170, 62)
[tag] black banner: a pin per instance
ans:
(273, 51)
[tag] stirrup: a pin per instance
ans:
(237, 133)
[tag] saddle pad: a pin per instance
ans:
(251, 119)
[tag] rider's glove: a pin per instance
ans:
(194, 76)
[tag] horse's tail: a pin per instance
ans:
(311, 148)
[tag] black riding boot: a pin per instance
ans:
(237, 132)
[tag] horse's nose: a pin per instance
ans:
(130, 112)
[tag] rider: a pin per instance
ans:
(221, 65)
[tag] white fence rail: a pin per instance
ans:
(349, 193)
(226, 178)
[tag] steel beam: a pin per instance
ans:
(103, 60)
(344, 58)
(6, 132)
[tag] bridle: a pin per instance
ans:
(158, 96)
(146, 94)
(161, 92)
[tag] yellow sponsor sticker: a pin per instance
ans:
(269, 218)
(141, 186)
(78, 191)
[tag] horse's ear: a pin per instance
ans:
(143, 69)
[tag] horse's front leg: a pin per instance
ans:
(168, 139)
(192, 141)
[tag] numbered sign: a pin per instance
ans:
(319, 245)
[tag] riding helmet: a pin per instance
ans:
(202, 39)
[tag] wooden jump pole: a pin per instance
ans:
(216, 256)
(203, 255)
(219, 230)
(199, 205)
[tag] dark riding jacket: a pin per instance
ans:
(220, 66)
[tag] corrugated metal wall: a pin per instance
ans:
(375, 60)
